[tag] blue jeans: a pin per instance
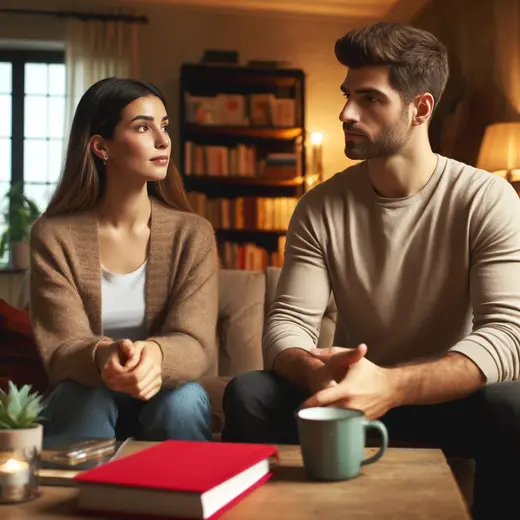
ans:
(76, 410)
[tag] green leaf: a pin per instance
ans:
(32, 410)
(24, 392)
(34, 212)
(25, 415)
(19, 214)
(3, 243)
(20, 408)
(9, 419)
(15, 405)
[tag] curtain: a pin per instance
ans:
(97, 50)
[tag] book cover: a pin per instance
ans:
(176, 479)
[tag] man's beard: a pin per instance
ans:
(387, 143)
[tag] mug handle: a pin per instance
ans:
(378, 425)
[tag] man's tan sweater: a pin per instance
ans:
(413, 278)
(181, 294)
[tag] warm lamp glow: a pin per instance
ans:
(315, 172)
(316, 138)
(500, 150)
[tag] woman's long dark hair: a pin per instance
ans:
(83, 178)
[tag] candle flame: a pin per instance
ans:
(316, 138)
(12, 466)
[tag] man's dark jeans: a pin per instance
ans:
(260, 408)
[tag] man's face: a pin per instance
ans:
(375, 121)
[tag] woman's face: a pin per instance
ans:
(140, 148)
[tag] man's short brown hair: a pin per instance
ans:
(416, 59)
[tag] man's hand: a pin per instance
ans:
(135, 369)
(360, 384)
(330, 373)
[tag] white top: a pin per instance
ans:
(123, 304)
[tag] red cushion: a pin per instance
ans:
(19, 359)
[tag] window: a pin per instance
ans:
(32, 121)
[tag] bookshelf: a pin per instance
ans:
(242, 155)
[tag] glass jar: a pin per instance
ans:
(20, 452)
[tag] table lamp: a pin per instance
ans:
(500, 150)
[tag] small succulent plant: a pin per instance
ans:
(19, 408)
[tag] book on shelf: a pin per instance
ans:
(280, 166)
(222, 109)
(240, 110)
(249, 213)
(261, 109)
(179, 479)
(249, 256)
(239, 160)
(268, 110)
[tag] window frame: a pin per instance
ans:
(18, 59)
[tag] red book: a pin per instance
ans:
(176, 479)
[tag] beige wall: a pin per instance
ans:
(179, 34)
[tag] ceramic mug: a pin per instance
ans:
(332, 442)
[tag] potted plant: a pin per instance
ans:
(19, 215)
(20, 443)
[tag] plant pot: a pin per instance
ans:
(20, 452)
(20, 255)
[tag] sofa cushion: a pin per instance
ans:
(328, 322)
(215, 387)
(239, 328)
(240, 321)
(19, 359)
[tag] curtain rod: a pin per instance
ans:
(105, 17)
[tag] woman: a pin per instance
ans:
(124, 278)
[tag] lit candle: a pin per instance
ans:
(14, 473)
(317, 159)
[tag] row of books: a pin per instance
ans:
(241, 110)
(239, 160)
(249, 213)
(249, 256)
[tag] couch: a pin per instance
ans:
(244, 298)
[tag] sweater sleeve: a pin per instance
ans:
(494, 344)
(63, 335)
(188, 337)
(303, 290)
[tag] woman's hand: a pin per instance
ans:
(135, 369)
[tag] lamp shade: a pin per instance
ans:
(500, 150)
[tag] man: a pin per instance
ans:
(422, 255)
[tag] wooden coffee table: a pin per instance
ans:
(404, 484)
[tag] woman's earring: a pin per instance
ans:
(105, 158)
